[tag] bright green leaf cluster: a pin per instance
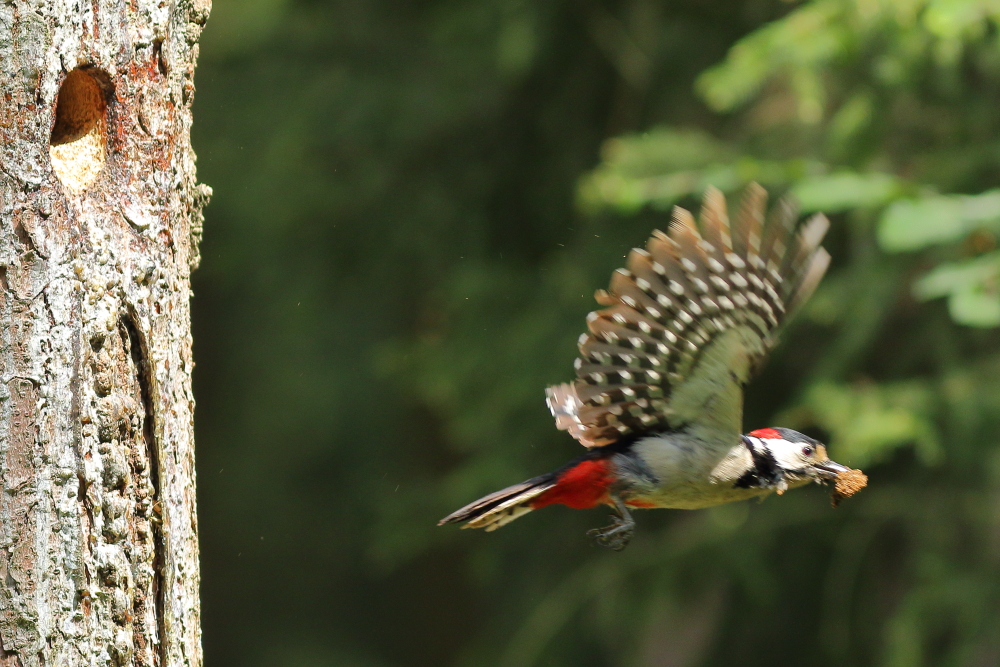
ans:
(972, 286)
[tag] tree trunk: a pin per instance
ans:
(100, 217)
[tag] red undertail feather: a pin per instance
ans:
(583, 486)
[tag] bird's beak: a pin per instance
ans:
(829, 469)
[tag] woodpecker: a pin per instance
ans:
(658, 395)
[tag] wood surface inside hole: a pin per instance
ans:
(77, 146)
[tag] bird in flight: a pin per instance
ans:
(658, 395)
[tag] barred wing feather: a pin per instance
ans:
(686, 323)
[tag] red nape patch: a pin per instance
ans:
(766, 433)
(583, 486)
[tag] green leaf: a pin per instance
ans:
(851, 118)
(917, 223)
(975, 306)
(638, 171)
(971, 288)
(662, 151)
(953, 276)
(846, 190)
(799, 44)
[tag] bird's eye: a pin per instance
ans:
(807, 450)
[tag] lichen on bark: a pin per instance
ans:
(100, 215)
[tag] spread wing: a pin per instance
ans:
(686, 324)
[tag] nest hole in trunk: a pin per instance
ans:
(78, 145)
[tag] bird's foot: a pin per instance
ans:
(617, 535)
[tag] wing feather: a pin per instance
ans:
(689, 318)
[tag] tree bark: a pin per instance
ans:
(100, 217)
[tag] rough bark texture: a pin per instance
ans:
(100, 217)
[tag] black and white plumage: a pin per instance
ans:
(658, 397)
(692, 315)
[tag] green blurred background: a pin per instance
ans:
(414, 202)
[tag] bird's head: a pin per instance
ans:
(800, 458)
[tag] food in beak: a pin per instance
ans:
(847, 484)
(846, 481)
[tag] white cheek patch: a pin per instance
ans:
(787, 454)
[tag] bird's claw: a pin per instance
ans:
(616, 536)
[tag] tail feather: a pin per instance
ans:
(501, 507)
